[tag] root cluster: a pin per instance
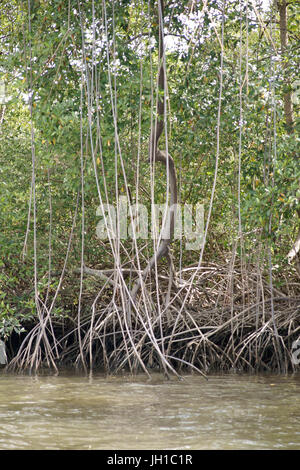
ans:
(212, 318)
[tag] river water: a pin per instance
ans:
(72, 411)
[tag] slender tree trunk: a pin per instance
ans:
(156, 155)
(287, 97)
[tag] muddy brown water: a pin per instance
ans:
(71, 411)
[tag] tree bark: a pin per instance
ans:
(287, 97)
(156, 155)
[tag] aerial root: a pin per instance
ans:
(211, 330)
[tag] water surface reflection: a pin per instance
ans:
(77, 412)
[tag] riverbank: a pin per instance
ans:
(222, 319)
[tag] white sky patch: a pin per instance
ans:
(194, 21)
(190, 24)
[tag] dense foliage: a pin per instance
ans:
(80, 81)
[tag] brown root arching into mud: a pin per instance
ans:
(226, 324)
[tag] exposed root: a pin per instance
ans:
(211, 331)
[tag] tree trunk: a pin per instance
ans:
(287, 97)
(156, 155)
